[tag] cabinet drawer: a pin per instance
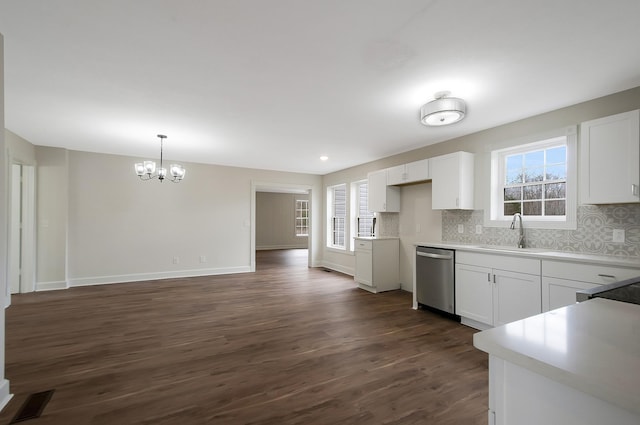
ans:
(363, 245)
(500, 262)
(592, 273)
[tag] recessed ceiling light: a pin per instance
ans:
(324, 158)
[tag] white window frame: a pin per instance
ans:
(330, 216)
(301, 221)
(356, 208)
(495, 216)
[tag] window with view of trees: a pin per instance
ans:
(537, 180)
(302, 217)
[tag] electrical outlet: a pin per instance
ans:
(460, 228)
(478, 229)
(203, 259)
(176, 260)
(618, 235)
(418, 228)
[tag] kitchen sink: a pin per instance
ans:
(510, 248)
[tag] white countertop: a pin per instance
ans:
(373, 238)
(593, 346)
(541, 253)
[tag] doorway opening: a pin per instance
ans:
(276, 225)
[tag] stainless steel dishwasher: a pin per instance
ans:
(435, 278)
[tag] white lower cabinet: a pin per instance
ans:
(474, 293)
(518, 395)
(508, 289)
(377, 264)
(562, 279)
(558, 293)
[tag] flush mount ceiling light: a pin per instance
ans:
(443, 110)
(147, 170)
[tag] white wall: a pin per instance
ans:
(19, 150)
(98, 223)
(52, 207)
(418, 223)
(275, 221)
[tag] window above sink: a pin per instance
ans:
(537, 179)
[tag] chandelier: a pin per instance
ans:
(147, 170)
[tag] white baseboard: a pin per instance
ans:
(5, 395)
(51, 286)
(406, 288)
(273, 247)
(475, 324)
(338, 267)
(103, 280)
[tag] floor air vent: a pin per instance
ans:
(32, 407)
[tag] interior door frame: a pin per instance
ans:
(27, 243)
(280, 188)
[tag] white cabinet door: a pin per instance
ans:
(409, 173)
(610, 159)
(396, 175)
(382, 198)
(488, 294)
(417, 171)
(558, 293)
(364, 267)
(474, 293)
(452, 181)
(515, 296)
(377, 264)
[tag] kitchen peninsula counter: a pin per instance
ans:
(576, 364)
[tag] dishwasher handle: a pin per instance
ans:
(437, 256)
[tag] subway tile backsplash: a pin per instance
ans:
(594, 233)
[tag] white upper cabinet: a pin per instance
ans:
(409, 173)
(382, 198)
(452, 181)
(610, 159)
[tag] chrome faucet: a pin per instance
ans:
(513, 226)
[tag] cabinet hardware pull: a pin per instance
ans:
(489, 277)
(494, 278)
(634, 189)
(610, 276)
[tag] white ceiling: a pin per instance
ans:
(274, 84)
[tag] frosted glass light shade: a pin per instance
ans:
(149, 167)
(443, 111)
(177, 171)
(139, 168)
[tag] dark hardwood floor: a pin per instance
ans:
(285, 345)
